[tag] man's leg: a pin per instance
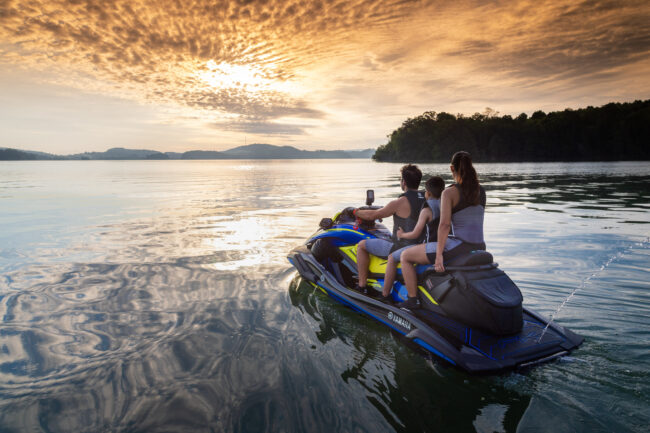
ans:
(376, 247)
(391, 270)
(363, 262)
(389, 278)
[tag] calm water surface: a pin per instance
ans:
(156, 296)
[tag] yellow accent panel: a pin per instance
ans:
(351, 252)
(427, 295)
(377, 264)
(374, 283)
(345, 230)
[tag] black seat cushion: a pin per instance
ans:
(474, 258)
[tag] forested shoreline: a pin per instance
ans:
(612, 132)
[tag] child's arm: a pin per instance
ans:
(425, 217)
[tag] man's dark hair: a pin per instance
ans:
(435, 185)
(412, 176)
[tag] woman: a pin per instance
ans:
(462, 207)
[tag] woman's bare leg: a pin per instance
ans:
(412, 256)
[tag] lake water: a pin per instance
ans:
(156, 296)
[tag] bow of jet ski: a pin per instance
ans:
(471, 316)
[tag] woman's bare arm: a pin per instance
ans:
(446, 204)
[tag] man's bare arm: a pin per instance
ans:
(386, 211)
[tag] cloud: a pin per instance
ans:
(261, 128)
(472, 48)
(263, 61)
(560, 40)
(157, 47)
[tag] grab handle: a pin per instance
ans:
(472, 267)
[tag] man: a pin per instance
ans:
(405, 211)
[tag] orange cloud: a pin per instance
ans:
(270, 61)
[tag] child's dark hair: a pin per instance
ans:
(435, 185)
(411, 175)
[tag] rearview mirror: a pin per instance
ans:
(370, 197)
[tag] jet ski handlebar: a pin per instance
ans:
(348, 212)
(348, 215)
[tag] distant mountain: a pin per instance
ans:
(355, 154)
(15, 155)
(174, 155)
(251, 151)
(7, 154)
(267, 151)
(120, 153)
(263, 151)
(203, 154)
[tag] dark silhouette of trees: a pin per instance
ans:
(613, 132)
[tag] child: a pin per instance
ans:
(429, 219)
(429, 215)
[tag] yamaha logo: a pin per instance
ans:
(399, 320)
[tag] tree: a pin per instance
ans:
(613, 131)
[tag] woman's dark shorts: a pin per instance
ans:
(462, 248)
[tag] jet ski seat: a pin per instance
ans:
(473, 258)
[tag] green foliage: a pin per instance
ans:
(613, 132)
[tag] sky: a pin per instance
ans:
(87, 75)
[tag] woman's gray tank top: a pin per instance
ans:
(467, 219)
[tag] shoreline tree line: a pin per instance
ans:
(612, 132)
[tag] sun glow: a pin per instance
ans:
(241, 238)
(246, 77)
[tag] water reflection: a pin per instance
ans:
(411, 392)
(589, 192)
(157, 296)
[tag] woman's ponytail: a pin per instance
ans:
(462, 163)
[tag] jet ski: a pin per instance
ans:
(470, 316)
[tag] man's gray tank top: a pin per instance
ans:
(416, 200)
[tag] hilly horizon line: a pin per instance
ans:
(255, 146)
(249, 151)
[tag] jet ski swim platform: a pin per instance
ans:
(471, 315)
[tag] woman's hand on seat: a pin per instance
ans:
(438, 266)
